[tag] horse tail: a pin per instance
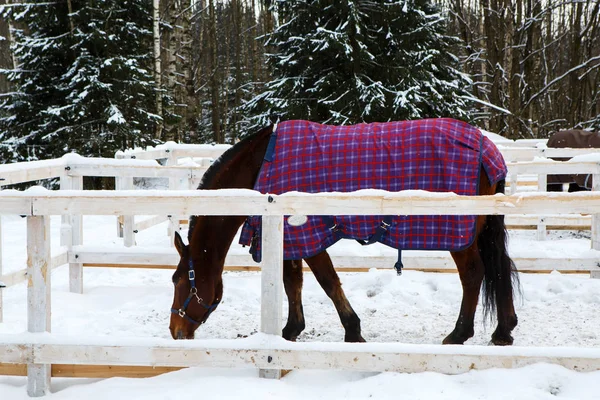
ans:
(500, 273)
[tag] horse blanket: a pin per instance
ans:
(437, 155)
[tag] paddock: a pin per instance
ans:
(40, 352)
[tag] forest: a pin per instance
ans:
(95, 76)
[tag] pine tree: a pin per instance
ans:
(84, 81)
(345, 62)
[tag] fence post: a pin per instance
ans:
(595, 224)
(1, 284)
(271, 302)
(205, 163)
(38, 296)
(513, 183)
(71, 233)
(541, 225)
(174, 184)
(119, 156)
(125, 223)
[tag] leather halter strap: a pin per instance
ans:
(182, 312)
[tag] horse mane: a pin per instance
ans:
(212, 172)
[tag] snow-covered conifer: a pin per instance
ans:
(84, 80)
(344, 62)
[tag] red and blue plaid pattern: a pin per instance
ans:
(437, 155)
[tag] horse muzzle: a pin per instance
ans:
(180, 329)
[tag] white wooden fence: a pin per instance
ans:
(72, 168)
(39, 350)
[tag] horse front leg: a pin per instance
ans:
(471, 270)
(323, 269)
(292, 281)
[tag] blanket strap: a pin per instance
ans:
(376, 237)
(398, 266)
(381, 230)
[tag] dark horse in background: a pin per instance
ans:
(198, 277)
(575, 139)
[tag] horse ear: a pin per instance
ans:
(179, 245)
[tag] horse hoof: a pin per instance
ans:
(450, 341)
(291, 334)
(290, 338)
(502, 341)
(453, 339)
(354, 339)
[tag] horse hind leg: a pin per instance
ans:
(292, 281)
(471, 271)
(507, 321)
(323, 269)
(507, 317)
(500, 279)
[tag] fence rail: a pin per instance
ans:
(37, 204)
(274, 353)
(249, 202)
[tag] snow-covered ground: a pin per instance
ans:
(555, 310)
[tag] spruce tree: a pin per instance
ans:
(84, 80)
(345, 62)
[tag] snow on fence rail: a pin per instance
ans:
(519, 150)
(512, 154)
(174, 150)
(41, 350)
(269, 351)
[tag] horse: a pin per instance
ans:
(576, 139)
(483, 263)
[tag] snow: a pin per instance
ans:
(592, 157)
(132, 306)
(497, 139)
(74, 159)
(31, 165)
(116, 116)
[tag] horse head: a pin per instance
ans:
(197, 292)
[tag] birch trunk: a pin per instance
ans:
(71, 23)
(157, 66)
(172, 42)
(237, 27)
(214, 81)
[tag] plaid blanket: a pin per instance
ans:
(438, 155)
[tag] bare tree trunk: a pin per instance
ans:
(188, 95)
(215, 80)
(157, 66)
(253, 49)
(227, 74)
(496, 45)
(513, 21)
(575, 89)
(237, 28)
(71, 23)
(532, 67)
(171, 41)
(6, 55)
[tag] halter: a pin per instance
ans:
(194, 293)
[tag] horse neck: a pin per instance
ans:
(213, 235)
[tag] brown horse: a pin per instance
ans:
(198, 278)
(575, 139)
